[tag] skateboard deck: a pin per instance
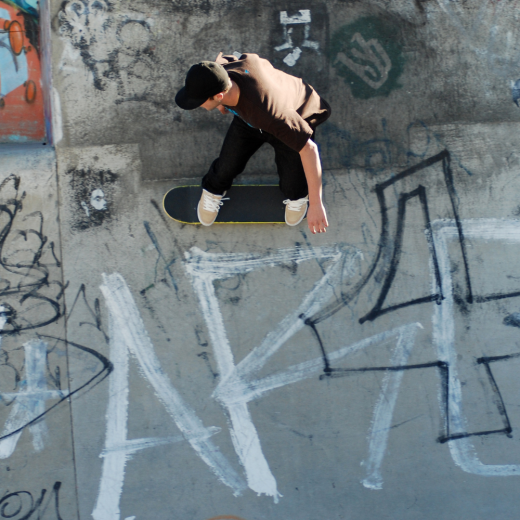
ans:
(252, 204)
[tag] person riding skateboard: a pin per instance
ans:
(269, 106)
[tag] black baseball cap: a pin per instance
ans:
(204, 80)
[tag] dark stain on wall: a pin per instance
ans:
(93, 194)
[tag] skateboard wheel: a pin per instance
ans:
(7, 23)
(16, 37)
(30, 91)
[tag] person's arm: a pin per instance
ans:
(316, 214)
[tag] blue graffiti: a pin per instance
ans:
(379, 154)
(27, 6)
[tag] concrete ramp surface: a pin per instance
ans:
(151, 370)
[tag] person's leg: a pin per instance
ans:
(290, 170)
(293, 182)
(240, 144)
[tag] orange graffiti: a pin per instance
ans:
(226, 517)
(15, 36)
(21, 101)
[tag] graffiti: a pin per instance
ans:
(128, 335)
(302, 17)
(30, 402)
(462, 450)
(384, 245)
(93, 195)
(341, 278)
(515, 92)
(30, 299)
(27, 6)
(204, 269)
(298, 39)
(28, 258)
(367, 55)
(236, 387)
(161, 256)
(438, 234)
(27, 406)
(375, 156)
(21, 100)
(116, 49)
(389, 248)
(97, 201)
(21, 505)
(372, 52)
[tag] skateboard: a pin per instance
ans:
(251, 204)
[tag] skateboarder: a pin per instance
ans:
(269, 106)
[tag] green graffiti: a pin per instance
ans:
(367, 54)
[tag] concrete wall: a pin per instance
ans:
(150, 370)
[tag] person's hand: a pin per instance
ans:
(317, 218)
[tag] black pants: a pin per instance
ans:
(241, 142)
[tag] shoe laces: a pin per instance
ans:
(211, 204)
(295, 205)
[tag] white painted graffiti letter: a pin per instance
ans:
(374, 74)
(462, 449)
(237, 384)
(128, 335)
(29, 404)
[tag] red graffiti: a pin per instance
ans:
(21, 100)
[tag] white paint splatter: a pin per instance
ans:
(113, 472)
(135, 445)
(57, 119)
(85, 208)
(128, 334)
(293, 57)
(303, 16)
(3, 320)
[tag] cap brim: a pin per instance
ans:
(185, 102)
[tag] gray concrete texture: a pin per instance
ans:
(158, 371)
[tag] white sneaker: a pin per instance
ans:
(295, 210)
(208, 208)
